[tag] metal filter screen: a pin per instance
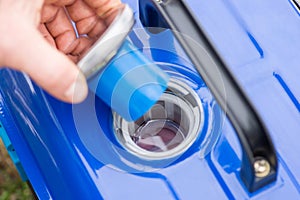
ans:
(167, 129)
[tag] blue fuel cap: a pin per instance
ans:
(130, 84)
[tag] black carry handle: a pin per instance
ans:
(259, 162)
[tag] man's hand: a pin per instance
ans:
(32, 31)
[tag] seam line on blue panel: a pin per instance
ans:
(165, 180)
(236, 14)
(219, 178)
(288, 91)
(289, 172)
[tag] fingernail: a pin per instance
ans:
(78, 90)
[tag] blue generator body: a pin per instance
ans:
(71, 151)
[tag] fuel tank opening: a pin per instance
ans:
(168, 129)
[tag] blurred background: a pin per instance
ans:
(11, 185)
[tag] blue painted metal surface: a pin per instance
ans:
(69, 152)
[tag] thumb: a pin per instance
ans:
(49, 68)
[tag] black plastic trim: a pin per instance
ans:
(253, 135)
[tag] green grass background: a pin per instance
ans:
(11, 185)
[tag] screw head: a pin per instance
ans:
(262, 167)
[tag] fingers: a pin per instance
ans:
(103, 7)
(24, 48)
(91, 26)
(49, 12)
(45, 33)
(60, 2)
(59, 75)
(87, 22)
(90, 16)
(61, 29)
(49, 68)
